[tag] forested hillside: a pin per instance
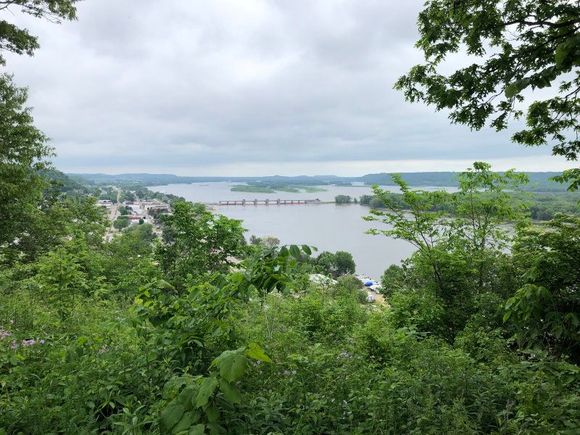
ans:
(538, 181)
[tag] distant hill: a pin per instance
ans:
(539, 181)
(63, 183)
(414, 178)
(142, 179)
(161, 179)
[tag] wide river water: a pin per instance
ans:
(329, 227)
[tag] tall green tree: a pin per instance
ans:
(520, 46)
(413, 219)
(23, 153)
(344, 263)
(481, 206)
(196, 241)
(337, 264)
(52, 222)
(545, 309)
(19, 40)
(461, 250)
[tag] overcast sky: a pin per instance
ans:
(244, 88)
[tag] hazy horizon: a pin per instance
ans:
(346, 169)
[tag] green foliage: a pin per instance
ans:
(337, 264)
(460, 252)
(77, 356)
(138, 335)
(342, 199)
(397, 380)
(128, 261)
(124, 210)
(393, 279)
(252, 188)
(521, 46)
(197, 242)
(19, 40)
(121, 222)
(571, 176)
(52, 223)
(545, 308)
(272, 269)
(343, 263)
(418, 311)
(23, 154)
(196, 407)
(542, 206)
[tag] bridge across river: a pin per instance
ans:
(268, 201)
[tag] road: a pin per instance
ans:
(112, 217)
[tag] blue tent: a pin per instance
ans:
(369, 283)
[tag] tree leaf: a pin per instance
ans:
(185, 398)
(198, 429)
(185, 423)
(206, 389)
(231, 393)
(212, 413)
(170, 416)
(256, 352)
(295, 251)
(233, 366)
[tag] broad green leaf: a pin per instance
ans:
(231, 393)
(212, 413)
(206, 389)
(170, 416)
(198, 429)
(185, 423)
(307, 249)
(294, 251)
(216, 429)
(185, 398)
(233, 366)
(256, 352)
(512, 90)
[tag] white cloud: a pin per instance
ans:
(180, 85)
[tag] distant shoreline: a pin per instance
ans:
(539, 181)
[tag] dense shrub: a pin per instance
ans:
(124, 337)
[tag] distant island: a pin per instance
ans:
(273, 188)
(539, 181)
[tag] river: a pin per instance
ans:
(329, 227)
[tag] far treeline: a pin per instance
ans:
(541, 206)
(538, 181)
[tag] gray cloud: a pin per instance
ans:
(188, 86)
